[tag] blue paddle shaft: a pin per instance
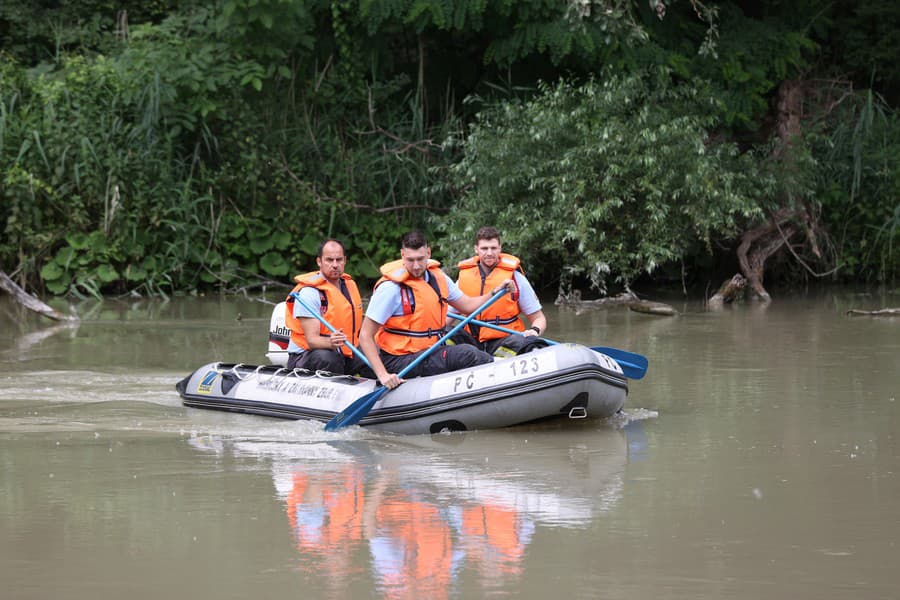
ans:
(362, 405)
(356, 351)
(497, 327)
(450, 334)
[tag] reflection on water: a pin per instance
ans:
(426, 509)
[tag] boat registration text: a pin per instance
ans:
(501, 372)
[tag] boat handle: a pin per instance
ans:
(578, 412)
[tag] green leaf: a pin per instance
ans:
(97, 241)
(107, 273)
(135, 273)
(310, 245)
(51, 272)
(260, 245)
(233, 228)
(78, 240)
(64, 256)
(282, 240)
(59, 286)
(273, 263)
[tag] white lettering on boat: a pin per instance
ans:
(299, 388)
(524, 366)
(501, 372)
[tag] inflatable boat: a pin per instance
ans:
(564, 381)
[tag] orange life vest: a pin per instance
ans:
(424, 310)
(505, 311)
(336, 309)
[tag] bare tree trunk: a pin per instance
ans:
(29, 301)
(764, 240)
(790, 110)
(761, 242)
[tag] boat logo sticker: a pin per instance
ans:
(205, 385)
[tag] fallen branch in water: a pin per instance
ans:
(29, 301)
(653, 308)
(731, 290)
(627, 298)
(884, 312)
(574, 299)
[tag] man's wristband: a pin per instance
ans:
(536, 329)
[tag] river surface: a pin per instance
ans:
(758, 458)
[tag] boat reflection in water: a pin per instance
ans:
(418, 511)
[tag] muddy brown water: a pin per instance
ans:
(758, 458)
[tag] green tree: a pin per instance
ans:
(184, 145)
(609, 180)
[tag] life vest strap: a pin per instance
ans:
(417, 334)
(503, 321)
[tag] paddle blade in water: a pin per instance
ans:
(354, 413)
(361, 407)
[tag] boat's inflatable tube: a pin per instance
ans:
(566, 381)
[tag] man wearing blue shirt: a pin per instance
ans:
(335, 296)
(407, 315)
(489, 268)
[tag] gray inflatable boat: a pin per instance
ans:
(565, 381)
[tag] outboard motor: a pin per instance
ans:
(279, 336)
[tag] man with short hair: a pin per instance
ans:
(489, 268)
(407, 313)
(335, 296)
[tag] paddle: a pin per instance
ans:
(315, 313)
(634, 365)
(362, 405)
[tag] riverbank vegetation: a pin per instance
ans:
(173, 147)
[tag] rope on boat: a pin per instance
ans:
(234, 371)
(274, 375)
(256, 372)
(335, 376)
(300, 372)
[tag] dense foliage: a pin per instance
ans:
(859, 187)
(162, 146)
(608, 178)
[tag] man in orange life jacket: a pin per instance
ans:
(407, 314)
(486, 270)
(334, 294)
